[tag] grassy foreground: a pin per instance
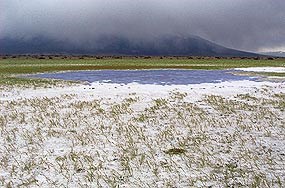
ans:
(11, 68)
(68, 141)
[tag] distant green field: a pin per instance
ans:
(11, 68)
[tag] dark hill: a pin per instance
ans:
(114, 45)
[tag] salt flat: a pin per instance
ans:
(263, 69)
(107, 90)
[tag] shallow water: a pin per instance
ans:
(160, 77)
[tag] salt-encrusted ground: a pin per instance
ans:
(111, 135)
(263, 69)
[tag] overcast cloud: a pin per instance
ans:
(242, 24)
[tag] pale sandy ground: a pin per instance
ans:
(231, 133)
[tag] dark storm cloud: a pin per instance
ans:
(242, 24)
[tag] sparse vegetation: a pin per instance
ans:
(62, 141)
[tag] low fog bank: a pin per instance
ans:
(240, 24)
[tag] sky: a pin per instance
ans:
(251, 25)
